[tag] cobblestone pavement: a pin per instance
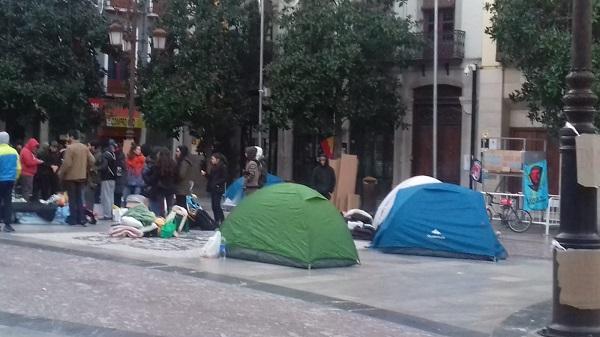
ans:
(51, 294)
(415, 295)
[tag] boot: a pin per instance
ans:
(8, 228)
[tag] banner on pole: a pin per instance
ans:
(535, 186)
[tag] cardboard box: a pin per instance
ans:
(588, 160)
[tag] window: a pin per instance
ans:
(117, 70)
(445, 22)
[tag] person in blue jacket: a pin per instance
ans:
(10, 169)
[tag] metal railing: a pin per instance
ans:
(547, 218)
(451, 46)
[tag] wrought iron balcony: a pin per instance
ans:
(451, 46)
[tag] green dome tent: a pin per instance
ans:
(291, 225)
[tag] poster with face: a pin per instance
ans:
(535, 186)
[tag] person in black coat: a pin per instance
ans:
(46, 177)
(217, 178)
(323, 177)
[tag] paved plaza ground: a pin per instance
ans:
(74, 281)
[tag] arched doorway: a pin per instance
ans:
(449, 132)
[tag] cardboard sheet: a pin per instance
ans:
(578, 275)
(335, 165)
(588, 160)
(353, 202)
(345, 180)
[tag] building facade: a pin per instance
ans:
(463, 45)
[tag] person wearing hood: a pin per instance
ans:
(29, 165)
(10, 169)
(251, 171)
(323, 177)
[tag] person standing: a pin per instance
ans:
(120, 175)
(160, 178)
(47, 172)
(10, 169)
(29, 165)
(73, 172)
(323, 177)
(135, 168)
(217, 178)
(184, 175)
(92, 188)
(252, 171)
(108, 169)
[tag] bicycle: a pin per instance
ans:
(517, 219)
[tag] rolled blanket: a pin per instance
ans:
(125, 231)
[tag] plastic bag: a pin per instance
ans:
(168, 230)
(178, 215)
(212, 246)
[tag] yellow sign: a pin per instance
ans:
(121, 122)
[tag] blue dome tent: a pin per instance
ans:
(235, 192)
(439, 220)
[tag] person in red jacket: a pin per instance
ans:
(29, 166)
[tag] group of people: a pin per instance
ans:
(102, 173)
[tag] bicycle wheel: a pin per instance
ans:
(518, 220)
(490, 215)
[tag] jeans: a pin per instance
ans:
(27, 187)
(6, 188)
(76, 209)
(107, 197)
(215, 200)
(130, 190)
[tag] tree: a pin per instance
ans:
(203, 79)
(534, 36)
(48, 66)
(337, 61)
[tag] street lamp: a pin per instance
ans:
(159, 38)
(115, 34)
(578, 224)
(261, 4)
(472, 69)
(129, 45)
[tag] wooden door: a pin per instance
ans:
(449, 133)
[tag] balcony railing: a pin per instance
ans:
(155, 7)
(451, 46)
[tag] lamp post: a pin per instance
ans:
(472, 69)
(129, 45)
(578, 227)
(261, 4)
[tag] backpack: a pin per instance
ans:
(262, 168)
(111, 170)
